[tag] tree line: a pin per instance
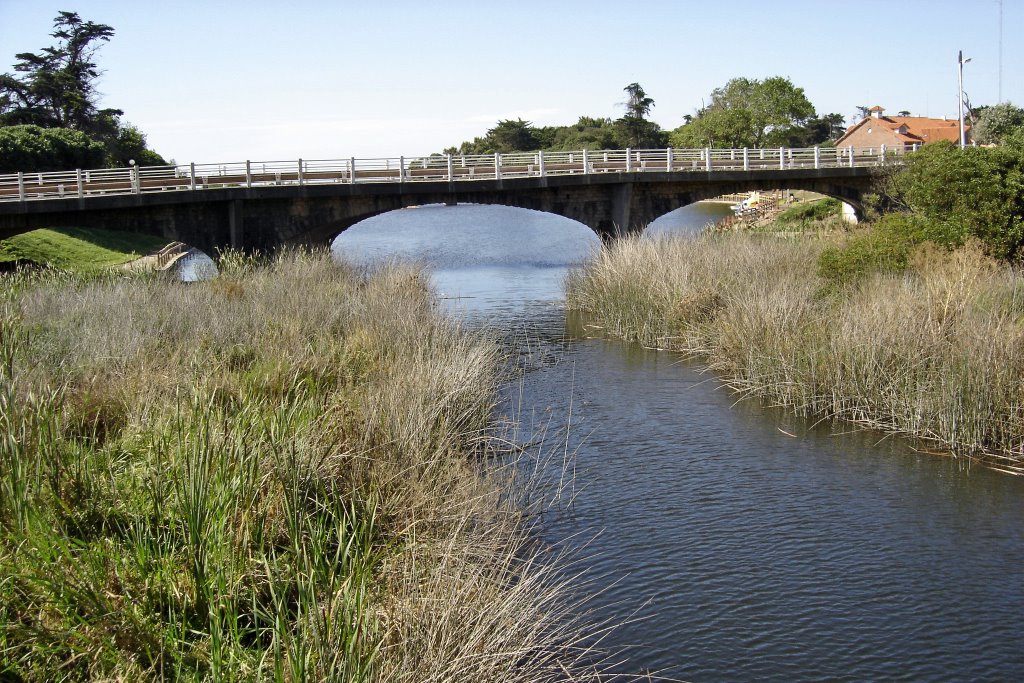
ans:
(743, 113)
(50, 118)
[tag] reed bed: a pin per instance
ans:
(935, 352)
(288, 473)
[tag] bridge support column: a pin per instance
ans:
(622, 200)
(236, 221)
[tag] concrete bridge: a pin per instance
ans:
(265, 205)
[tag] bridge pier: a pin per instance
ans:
(236, 222)
(621, 209)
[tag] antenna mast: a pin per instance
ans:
(1000, 51)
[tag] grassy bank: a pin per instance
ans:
(78, 249)
(280, 474)
(935, 352)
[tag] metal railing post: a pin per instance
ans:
(782, 158)
(746, 159)
(668, 159)
(540, 162)
(586, 163)
(192, 175)
(817, 157)
(21, 186)
(78, 181)
(352, 170)
(300, 171)
(497, 166)
(401, 169)
(882, 153)
(629, 160)
(248, 173)
(851, 156)
(450, 178)
(707, 159)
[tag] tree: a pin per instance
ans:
(996, 123)
(56, 89)
(959, 193)
(638, 105)
(587, 133)
(513, 136)
(32, 148)
(815, 131)
(747, 113)
(129, 145)
(635, 130)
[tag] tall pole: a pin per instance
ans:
(1000, 99)
(960, 100)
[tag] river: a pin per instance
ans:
(731, 541)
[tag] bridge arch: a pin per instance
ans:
(467, 235)
(652, 207)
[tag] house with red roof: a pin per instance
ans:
(898, 132)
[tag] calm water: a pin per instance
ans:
(732, 550)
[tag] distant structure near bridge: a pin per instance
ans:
(899, 132)
(265, 205)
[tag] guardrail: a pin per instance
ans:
(22, 187)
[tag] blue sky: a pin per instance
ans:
(224, 81)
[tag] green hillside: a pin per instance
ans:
(78, 248)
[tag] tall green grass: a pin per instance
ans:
(79, 249)
(282, 474)
(936, 351)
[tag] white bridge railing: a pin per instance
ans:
(21, 187)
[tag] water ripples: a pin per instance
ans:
(729, 549)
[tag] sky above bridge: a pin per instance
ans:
(212, 81)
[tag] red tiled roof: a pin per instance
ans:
(920, 129)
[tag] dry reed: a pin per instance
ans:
(936, 352)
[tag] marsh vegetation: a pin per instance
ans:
(290, 472)
(935, 350)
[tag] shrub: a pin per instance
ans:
(997, 122)
(812, 211)
(962, 193)
(886, 247)
(32, 148)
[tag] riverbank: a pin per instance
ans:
(284, 472)
(808, 213)
(936, 352)
(78, 249)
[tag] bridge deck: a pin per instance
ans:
(24, 187)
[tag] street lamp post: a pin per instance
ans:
(960, 62)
